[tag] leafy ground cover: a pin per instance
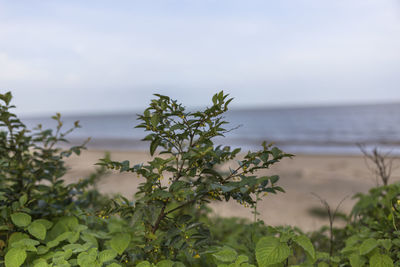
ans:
(46, 222)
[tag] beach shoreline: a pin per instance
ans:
(332, 177)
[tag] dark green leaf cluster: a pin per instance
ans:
(187, 173)
(43, 221)
(31, 165)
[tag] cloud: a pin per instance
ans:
(17, 70)
(278, 52)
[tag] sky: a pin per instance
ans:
(111, 56)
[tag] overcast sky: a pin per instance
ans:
(111, 56)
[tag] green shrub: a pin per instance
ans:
(46, 222)
(43, 221)
(186, 174)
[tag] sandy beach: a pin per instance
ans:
(331, 177)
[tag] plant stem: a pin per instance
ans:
(159, 218)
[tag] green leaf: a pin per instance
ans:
(23, 199)
(46, 223)
(21, 219)
(241, 259)
(120, 242)
(17, 236)
(386, 243)
(90, 239)
(64, 236)
(269, 250)
(69, 221)
(154, 144)
(86, 259)
(144, 264)
(154, 120)
(322, 255)
(76, 248)
(6, 97)
(52, 243)
(368, 245)
(356, 260)
(165, 263)
(40, 263)
(4, 227)
(212, 172)
(37, 229)
(42, 250)
(380, 260)
(107, 255)
(74, 236)
(214, 99)
(26, 244)
(227, 254)
(15, 257)
(304, 242)
(116, 265)
(58, 229)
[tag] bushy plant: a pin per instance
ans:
(43, 221)
(185, 174)
(46, 222)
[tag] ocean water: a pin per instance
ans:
(308, 130)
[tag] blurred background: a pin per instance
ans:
(313, 76)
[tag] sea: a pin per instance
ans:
(301, 130)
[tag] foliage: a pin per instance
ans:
(46, 222)
(186, 174)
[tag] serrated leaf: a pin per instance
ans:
(241, 259)
(86, 259)
(107, 255)
(37, 229)
(76, 248)
(227, 254)
(52, 243)
(46, 223)
(269, 250)
(67, 254)
(21, 219)
(120, 242)
(74, 236)
(144, 264)
(15, 257)
(386, 243)
(165, 263)
(305, 243)
(69, 221)
(42, 250)
(356, 260)
(368, 245)
(26, 244)
(41, 263)
(17, 236)
(380, 260)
